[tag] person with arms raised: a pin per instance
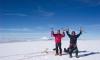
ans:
(58, 37)
(73, 42)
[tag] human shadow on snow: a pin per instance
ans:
(88, 54)
(84, 53)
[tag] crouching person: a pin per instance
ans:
(73, 43)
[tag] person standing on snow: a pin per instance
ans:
(73, 42)
(58, 37)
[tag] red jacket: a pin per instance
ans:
(58, 37)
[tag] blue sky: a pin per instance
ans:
(34, 18)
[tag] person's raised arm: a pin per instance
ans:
(67, 31)
(63, 34)
(81, 30)
(52, 32)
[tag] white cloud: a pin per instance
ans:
(15, 29)
(15, 14)
(94, 26)
(39, 27)
(44, 38)
(48, 13)
(42, 28)
(43, 12)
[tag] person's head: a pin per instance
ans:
(73, 33)
(58, 31)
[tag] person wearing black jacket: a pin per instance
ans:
(73, 42)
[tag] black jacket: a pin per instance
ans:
(73, 39)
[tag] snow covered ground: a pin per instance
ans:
(89, 50)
